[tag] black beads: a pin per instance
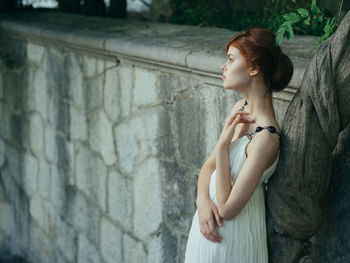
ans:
(259, 128)
(270, 128)
(245, 103)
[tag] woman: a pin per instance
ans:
(230, 184)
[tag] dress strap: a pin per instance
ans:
(270, 128)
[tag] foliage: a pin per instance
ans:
(309, 20)
(278, 16)
(194, 12)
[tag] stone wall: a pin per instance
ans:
(104, 127)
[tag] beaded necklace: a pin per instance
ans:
(270, 128)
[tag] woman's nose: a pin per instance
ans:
(222, 67)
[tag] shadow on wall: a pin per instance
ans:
(12, 259)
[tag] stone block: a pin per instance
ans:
(55, 66)
(7, 219)
(50, 144)
(44, 179)
(178, 194)
(148, 206)
(14, 162)
(112, 96)
(101, 136)
(66, 239)
(75, 80)
(145, 91)
(196, 113)
(36, 134)
(111, 242)
(171, 84)
(35, 52)
(37, 211)
(155, 252)
(2, 152)
(78, 125)
(40, 246)
(91, 176)
(166, 141)
(87, 252)
(40, 92)
(94, 92)
(1, 86)
(136, 138)
(133, 250)
(120, 196)
(83, 215)
(126, 79)
(30, 175)
(162, 247)
(5, 115)
(92, 66)
(58, 187)
(58, 113)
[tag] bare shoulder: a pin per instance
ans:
(263, 148)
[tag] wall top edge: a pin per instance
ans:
(191, 47)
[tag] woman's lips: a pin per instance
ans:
(223, 77)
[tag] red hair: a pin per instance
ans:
(256, 45)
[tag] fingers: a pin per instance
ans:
(213, 231)
(216, 213)
(204, 228)
(242, 119)
(209, 232)
(211, 235)
(217, 217)
(234, 116)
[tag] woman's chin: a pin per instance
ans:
(228, 87)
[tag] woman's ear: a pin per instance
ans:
(253, 71)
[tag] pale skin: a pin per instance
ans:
(259, 112)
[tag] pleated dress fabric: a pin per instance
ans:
(244, 238)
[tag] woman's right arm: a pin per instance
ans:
(206, 207)
(210, 165)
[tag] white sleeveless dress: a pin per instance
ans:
(244, 238)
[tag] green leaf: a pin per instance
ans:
(329, 26)
(315, 10)
(307, 21)
(279, 35)
(303, 12)
(320, 18)
(289, 32)
(291, 17)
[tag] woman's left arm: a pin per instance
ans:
(232, 199)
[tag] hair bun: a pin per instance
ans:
(283, 73)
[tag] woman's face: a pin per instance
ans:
(236, 72)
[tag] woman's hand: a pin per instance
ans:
(230, 125)
(206, 209)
